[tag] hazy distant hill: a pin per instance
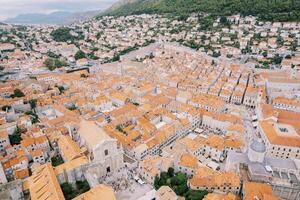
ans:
(120, 4)
(274, 10)
(80, 16)
(52, 18)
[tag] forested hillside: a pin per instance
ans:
(273, 10)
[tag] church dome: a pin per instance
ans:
(258, 146)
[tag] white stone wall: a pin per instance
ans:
(3, 143)
(218, 189)
(286, 107)
(145, 175)
(214, 124)
(280, 151)
(114, 157)
(250, 101)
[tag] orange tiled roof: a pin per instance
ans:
(261, 191)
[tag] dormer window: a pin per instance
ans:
(284, 130)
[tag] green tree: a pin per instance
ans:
(53, 63)
(16, 138)
(192, 44)
(280, 41)
(98, 35)
(116, 58)
(206, 23)
(57, 160)
(270, 10)
(83, 76)
(52, 55)
(293, 66)
(178, 183)
(73, 107)
(203, 38)
(92, 56)
(162, 181)
(171, 172)
(61, 89)
(17, 93)
(223, 19)
(265, 54)
(5, 107)
(62, 35)
(79, 55)
(82, 186)
(266, 65)
(34, 116)
(277, 59)
(181, 178)
(32, 103)
(181, 189)
(156, 182)
(294, 46)
(195, 194)
(68, 191)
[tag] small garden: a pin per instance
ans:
(16, 138)
(57, 160)
(120, 129)
(178, 183)
(71, 192)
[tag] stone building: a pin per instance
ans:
(104, 153)
(282, 174)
